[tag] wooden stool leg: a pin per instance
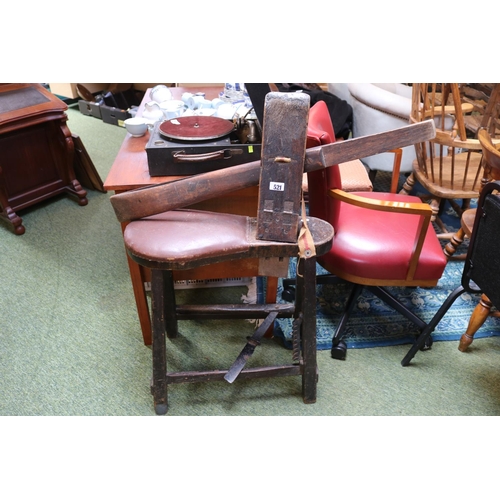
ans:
(306, 281)
(479, 315)
(169, 305)
(159, 384)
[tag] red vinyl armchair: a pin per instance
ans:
(381, 239)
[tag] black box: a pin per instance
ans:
(115, 116)
(90, 108)
(166, 157)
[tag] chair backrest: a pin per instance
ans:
(449, 165)
(485, 97)
(482, 265)
(319, 132)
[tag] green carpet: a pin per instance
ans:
(71, 342)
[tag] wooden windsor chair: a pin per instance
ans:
(449, 166)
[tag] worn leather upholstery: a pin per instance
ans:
(184, 239)
(374, 245)
(197, 235)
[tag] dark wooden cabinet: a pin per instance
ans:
(36, 151)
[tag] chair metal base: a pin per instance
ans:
(423, 340)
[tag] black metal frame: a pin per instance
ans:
(472, 281)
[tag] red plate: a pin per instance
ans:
(196, 128)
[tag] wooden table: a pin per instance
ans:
(130, 171)
(36, 150)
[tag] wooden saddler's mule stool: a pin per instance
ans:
(166, 239)
(184, 239)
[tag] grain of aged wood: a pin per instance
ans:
(153, 200)
(281, 176)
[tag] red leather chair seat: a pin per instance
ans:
(374, 245)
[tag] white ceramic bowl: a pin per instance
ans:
(172, 109)
(226, 111)
(160, 93)
(136, 127)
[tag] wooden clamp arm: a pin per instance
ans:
(422, 210)
(159, 198)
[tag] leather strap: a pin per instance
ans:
(305, 240)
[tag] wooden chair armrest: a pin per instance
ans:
(382, 205)
(422, 210)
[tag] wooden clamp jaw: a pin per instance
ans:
(283, 152)
(279, 207)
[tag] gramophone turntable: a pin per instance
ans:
(196, 144)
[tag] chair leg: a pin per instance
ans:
(306, 303)
(427, 331)
(479, 315)
(455, 241)
(390, 300)
(159, 382)
(339, 348)
(408, 184)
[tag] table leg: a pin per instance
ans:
(141, 300)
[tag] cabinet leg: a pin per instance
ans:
(75, 189)
(13, 219)
(6, 211)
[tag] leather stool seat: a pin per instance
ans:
(184, 239)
